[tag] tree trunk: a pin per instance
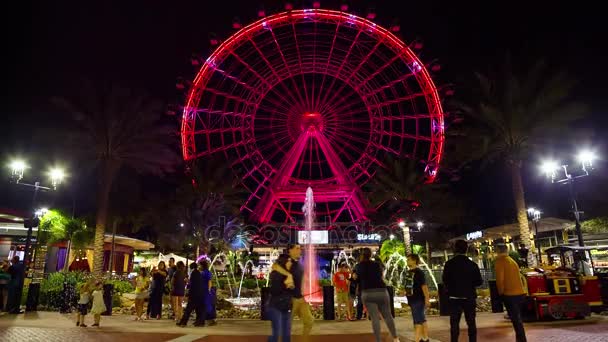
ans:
(520, 207)
(406, 240)
(108, 172)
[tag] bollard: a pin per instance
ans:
(108, 291)
(391, 299)
(444, 308)
(329, 313)
(33, 294)
(265, 296)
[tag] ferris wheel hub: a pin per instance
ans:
(312, 122)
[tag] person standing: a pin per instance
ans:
(418, 298)
(375, 295)
(340, 280)
(461, 276)
(295, 279)
(142, 282)
(195, 298)
(83, 302)
(158, 290)
(178, 289)
(206, 283)
(15, 286)
(280, 302)
(168, 285)
(99, 306)
(5, 279)
(510, 288)
(355, 292)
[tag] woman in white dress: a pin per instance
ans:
(99, 306)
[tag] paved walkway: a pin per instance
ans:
(50, 327)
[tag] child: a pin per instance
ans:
(83, 303)
(98, 305)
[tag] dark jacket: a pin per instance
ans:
(280, 295)
(195, 286)
(461, 276)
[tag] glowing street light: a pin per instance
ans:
(57, 176)
(181, 224)
(419, 225)
(41, 212)
(392, 236)
(550, 168)
(18, 168)
(402, 224)
(586, 158)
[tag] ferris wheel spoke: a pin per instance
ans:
(379, 70)
(276, 74)
(338, 72)
(260, 77)
(355, 70)
(221, 93)
(406, 117)
(397, 100)
(327, 63)
(295, 38)
(211, 151)
(392, 151)
(286, 65)
(405, 136)
(391, 84)
(345, 109)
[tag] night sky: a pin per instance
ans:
(51, 46)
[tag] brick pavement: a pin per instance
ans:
(49, 327)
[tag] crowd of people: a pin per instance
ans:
(365, 285)
(11, 285)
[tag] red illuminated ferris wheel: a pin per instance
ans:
(314, 98)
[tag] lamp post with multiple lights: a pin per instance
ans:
(534, 215)
(56, 177)
(406, 233)
(560, 174)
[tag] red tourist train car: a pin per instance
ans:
(569, 291)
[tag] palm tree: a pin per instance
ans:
(517, 113)
(399, 189)
(115, 129)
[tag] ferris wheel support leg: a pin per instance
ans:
(263, 209)
(355, 202)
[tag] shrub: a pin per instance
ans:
(121, 286)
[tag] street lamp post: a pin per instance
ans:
(551, 168)
(534, 215)
(56, 176)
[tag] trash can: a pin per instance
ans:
(108, 291)
(444, 308)
(495, 300)
(265, 294)
(33, 294)
(391, 299)
(329, 313)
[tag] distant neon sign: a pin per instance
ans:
(474, 235)
(369, 237)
